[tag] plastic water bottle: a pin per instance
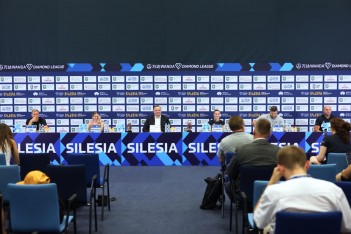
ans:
(105, 126)
(129, 127)
(189, 126)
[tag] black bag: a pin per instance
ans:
(213, 193)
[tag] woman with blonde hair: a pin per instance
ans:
(96, 121)
(8, 145)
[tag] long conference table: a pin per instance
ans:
(149, 149)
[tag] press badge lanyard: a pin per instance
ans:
(299, 176)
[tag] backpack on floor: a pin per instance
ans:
(213, 193)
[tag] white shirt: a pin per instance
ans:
(276, 121)
(303, 194)
(158, 120)
(8, 153)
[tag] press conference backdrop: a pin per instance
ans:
(67, 94)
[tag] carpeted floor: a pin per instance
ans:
(158, 200)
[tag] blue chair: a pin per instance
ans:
(1, 209)
(307, 223)
(339, 159)
(70, 179)
(228, 157)
(35, 208)
(2, 159)
(9, 174)
(346, 187)
(259, 187)
(248, 175)
(33, 161)
(323, 172)
(92, 166)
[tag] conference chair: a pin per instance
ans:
(323, 172)
(2, 159)
(258, 188)
(33, 161)
(346, 187)
(92, 166)
(8, 174)
(1, 208)
(248, 175)
(339, 159)
(228, 157)
(35, 208)
(71, 179)
(307, 223)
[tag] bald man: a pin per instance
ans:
(323, 121)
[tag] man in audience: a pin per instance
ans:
(258, 153)
(235, 140)
(273, 117)
(300, 192)
(323, 121)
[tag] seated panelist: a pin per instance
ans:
(216, 120)
(96, 121)
(156, 122)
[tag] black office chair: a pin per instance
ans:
(71, 179)
(33, 161)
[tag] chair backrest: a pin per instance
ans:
(339, 159)
(33, 161)
(34, 208)
(323, 172)
(248, 175)
(259, 187)
(346, 187)
(91, 162)
(70, 179)
(2, 159)
(8, 174)
(307, 223)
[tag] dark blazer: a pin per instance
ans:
(257, 153)
(151, 121)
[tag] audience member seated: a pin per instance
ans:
(344, 175)
(8, 145)
(338, 142)
(235, 140)
(258, 153)
(300, 192)
(216, 120)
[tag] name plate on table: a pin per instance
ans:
(95, 128)
(31, 128)
(155, 128)
(278, 128)
(217, 128)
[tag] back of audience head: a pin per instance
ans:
(292, 157)
(263, 127)
(341, 128)
(5, 136)
(35, 177)
(236, 123)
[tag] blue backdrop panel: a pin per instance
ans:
(40, 143)
(313, 140)
(288, 138)
(201, 148)
(106, 145)
(151, 149)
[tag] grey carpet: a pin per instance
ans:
(158, 200)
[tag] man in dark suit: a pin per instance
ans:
(258, 153)
(157, 119)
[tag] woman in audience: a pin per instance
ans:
(338, 142)
(8, 145)
(216, 120)
(96, 121)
